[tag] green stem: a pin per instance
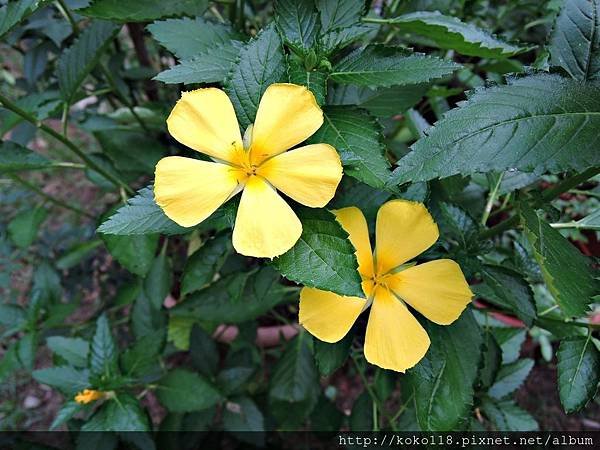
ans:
(48, 197)
(571, 224)
(67, 165)
(5, 102)
(573, 323)
(547, 196)
(375, 20)
(491, 199)
(62, 7)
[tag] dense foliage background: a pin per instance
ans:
(486, 110)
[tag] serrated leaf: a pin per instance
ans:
(314, 80)
(14, 157)
(261, 63)
(379, 66)
(141, 215)
(103, 350)
(510, 341)
(209, 66)
(64, 378)
(506, 415)
(135, 253)
(451, 33)
(183, 391)
(337, 14)
(567, 273)
(578, 372)
(339, 38)
(122, 413)
(323, 257)
(202, 266)
(510, 377)
(141, 359)
(187, 38)
(383, 102)
(532, 124)
(298, 22)
(443, 381)
(16, 11)
(142, 10)
(73, 350)
(79, 59)
(357, 137)
(575, 41)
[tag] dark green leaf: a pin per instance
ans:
(146, 319)
(141, 359)
(260, 64)
(510, 377)
(492, 360)
(314, 80)
(203, 351)
(531, 125)
(384, 102)
(23, 228)
(506, 415)
(26, 349)
(201, 267)
(16, 11)
(510, 340)
(326, 416)
(132, 152)
(323, 257)
(76, 254)
(16, 157)
(68, 410)
(443, 381)
(135, 253)
(298, 22)
(141, 215)
(341, 37)
(578, 372)
(378, 66)
(568, 274)
(77, 61)
(330, 357)
(66, 379)
(361, 418)
(233, 379)
(357, 137)
(122, 413)
(575, 41)
(157, 284)
(142, 10)
(336, 14)
(103, 351)
(243, 419)
(73, 350)
(183, 391)
(451, 33)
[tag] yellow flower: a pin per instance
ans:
(190, 190)
(437, 289)
(88, 396)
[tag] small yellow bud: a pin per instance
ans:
(88, 395)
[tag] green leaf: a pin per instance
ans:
(26, 350)
(567, 273)
(187, 38)
(202, 266)
(384, 102)
(209, 66)
(142, 10)
(158, 282)
(336, 14)
(314, 80)
(575, 41)
(233, 379)
(492, 360)
(323, 257)
(16, 11)
(122, 413)
(184, 391)
(103, 351)
(141, 359)
(203, 351)
(578, 372)
(141, 215)
(443, 381)
(510, 377)
(23, 228)
(132, 152)
(14, 157)
(146, 319)
(77, 61)
(506, 415)
(64, 378)
(330, 357)
(510, 340)
(361, 418)
(298, 22)
(529, 125)
(244, 420)
(339, 38)
(76, 254)
(68, 410)
(73, 350)
(235, 298)
(589, 222)
(507, 289)
(357, 137)
(260, 64)
(379, 66)
(135, 253)
(451, 33)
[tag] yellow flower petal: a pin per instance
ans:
(404, 230)
(353, 221)
(395, 340)
(326, 315)
(265, 226)
(189, 190)
(287, 115)
(437, 289)
(310, 175)
(88, 395)
(204, 120)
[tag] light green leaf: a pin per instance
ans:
(589, 222)
(578, 372)
(15, 157)
(103, 351)
(188, 38)
(323, 257)
(261, 63)
(567, 273)
(510, 377)
(506, 415)
(142, 10)
(443, 381)
(184, 391)
(141, 215)
(23, 228)
(575, 41)
(379, 66)
(357, 137)
(73, 350)
(77, 61)
(16, 11)
(64, 378)
(532, 124)
(451, 33)
(202, 266)
(76, 254)
(298, 22)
